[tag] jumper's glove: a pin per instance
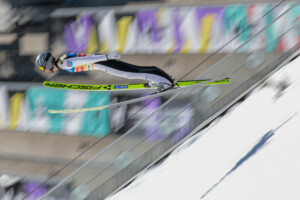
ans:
(113, 56)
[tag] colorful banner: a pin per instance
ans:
(174, 122)
(190, 29)
(80, 35)
(15, 106)
(73, 121)
(96, 123)
(107, 33)
(151, 126)
(39, 101)
(29, 112)
(148, 36)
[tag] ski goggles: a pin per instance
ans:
(43, 66)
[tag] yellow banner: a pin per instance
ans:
(206, 32)
(15, 105)
(122, 27)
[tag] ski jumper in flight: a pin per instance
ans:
(109, 63)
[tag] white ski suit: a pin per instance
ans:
(77, 62)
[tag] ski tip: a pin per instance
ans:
(227, 80)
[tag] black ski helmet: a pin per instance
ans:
(44, 60)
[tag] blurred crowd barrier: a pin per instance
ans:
(182, 30)
(28, 112)
(18, 188)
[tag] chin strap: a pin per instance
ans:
(57, 62)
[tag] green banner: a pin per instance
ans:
(40, 100)
(96, 123)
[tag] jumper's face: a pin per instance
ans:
(49, 71)
(52, 70)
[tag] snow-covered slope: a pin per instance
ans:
(253, 152)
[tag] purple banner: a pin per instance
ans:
(152, 130)
(147, 25)
(38, 190)
(76, 33)
(201, 12)
(178, 35)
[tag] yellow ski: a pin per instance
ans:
(134, 86)
(182, 85)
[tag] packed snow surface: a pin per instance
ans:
(252, 152)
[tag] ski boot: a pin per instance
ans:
(152, 84)
(164, 87)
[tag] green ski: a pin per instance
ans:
(186, 84)
(135, 86)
